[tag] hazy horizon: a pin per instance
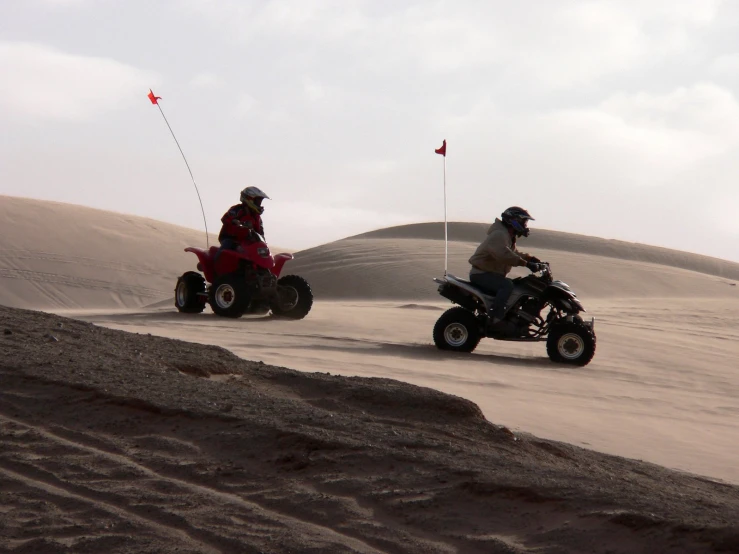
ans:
(611, 119)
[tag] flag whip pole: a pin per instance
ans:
(442, 151)
(155, 100)
(446, 237)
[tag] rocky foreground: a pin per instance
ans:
(117, 442)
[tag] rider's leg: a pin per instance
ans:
(501, 299)
(226, 244)
(494, 284)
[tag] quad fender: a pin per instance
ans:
(205, 258)
(280, 260)
(229, 260)
(463, 293)
(562, 298)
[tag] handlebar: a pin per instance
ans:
(253, 234)
(544, 268)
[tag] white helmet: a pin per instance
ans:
(252, 197)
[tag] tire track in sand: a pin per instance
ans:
(213, 496)
(158, 527)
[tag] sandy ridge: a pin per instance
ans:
(392, 466)
(567, 242)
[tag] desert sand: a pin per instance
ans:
(62, 256)
(125, 442)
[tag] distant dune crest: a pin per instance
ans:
(398, 263)
(567, 242)
(62, 256)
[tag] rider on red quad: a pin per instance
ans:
(497, 254)
(241, 219)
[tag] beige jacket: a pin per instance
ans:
(497, 253)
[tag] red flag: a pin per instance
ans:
(442, 150)
(153, 98)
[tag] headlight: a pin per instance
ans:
(263, 252)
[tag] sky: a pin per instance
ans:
(612, 118)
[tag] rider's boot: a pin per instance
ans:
(498, 325)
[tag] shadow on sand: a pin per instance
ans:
(414, 351)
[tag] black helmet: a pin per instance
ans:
(517, 219)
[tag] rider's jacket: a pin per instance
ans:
(497, 253)
(243, 214)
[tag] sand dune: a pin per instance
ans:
(399, 262)
(334, 464)
(567, 242)
(216, 454)
(663, 386)
(62, 256)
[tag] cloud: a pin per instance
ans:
(725, 65)
(207, 80)
(626, 140)
(325, 18)
(245, 106)
(278, 116)
(313, 90)
(644, 139)
(42, 82)
(327, 221)
(717, 211)
(248, 107)
(62, 3)
(374, 167)
(555, 45)
(703, 108)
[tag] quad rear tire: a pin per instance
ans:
(294, 298)
(571, 343)
(188, 297)
(228, 296)
(457, 330)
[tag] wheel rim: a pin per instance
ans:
(571, 346)
(225, 296)
(181, 293)
(456, 334)
(287, 298)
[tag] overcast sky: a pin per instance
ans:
(618, 119)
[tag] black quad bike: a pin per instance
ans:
(540, 309)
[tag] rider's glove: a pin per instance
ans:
(534, 259)
(533, 266)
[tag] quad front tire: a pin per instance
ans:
(188, 293)
(294, 298)
(571, 343)
(457, 330)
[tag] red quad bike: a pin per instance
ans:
(243, 281)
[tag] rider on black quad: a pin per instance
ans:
(495, 257)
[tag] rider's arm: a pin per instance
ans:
(497, 246)
(231, 225)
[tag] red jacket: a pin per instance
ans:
(244, 215)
